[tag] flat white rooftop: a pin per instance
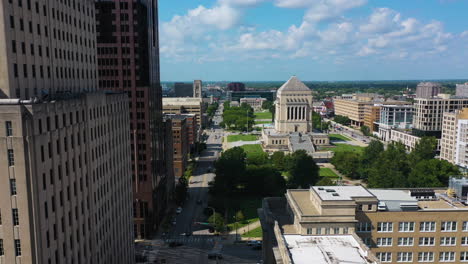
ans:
(325, 249)
(341, 193)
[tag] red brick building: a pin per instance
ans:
(180, 144)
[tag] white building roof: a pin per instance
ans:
(181, 101)
(293, 84)
(325, 249)
(341, 193)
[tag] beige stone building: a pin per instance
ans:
(179, 105)
(419, 225)
(371, 116)
(293, 121)
(428, 112)
(64, 190)
(453, 144)
(256, 102)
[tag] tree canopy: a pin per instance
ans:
(344, 120)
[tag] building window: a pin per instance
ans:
(406, 227)
(426, 257)
(309, 231)
(345, 230)
(363, 227)
(384, 227)
(427, 226)
(2, 251)
(426, 241)
(17, 247)
(384, 256)
(336, 231)
(11, 158)
(463, 256)
(464, 241)
(405, 241)
(450, 226)
(446, 256)
(448, 241)
(318, 230)
(9, 128)
(384, 241)
(465, 226)
(13, 186)
(405, 257)
(15, 216)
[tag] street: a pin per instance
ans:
(191, 242)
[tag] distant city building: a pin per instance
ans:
(410, 225)
(177, 105)
(236, 87)
(270, 95)
(428, 112)
(454, 141)
(404, 137)
(428, 90)
(394, 117)
(255, 103)
(234, 104)
(371, 116)
(462, 90)
(293, 121)
(354, 108)
(197, 89)
(183, 89)
(192, 128)
(180, 143)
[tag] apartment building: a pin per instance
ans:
(64, 195)
(128, 61)
(428, 90)
(428, 112)
(454, 137)
(418, 225)
(371, 116)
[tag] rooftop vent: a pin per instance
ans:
(330, 190)
(335, 194)
(409, 206)
(321, 189)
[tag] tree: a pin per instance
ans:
(344, 120)
(391, 168)
(303, 171)
(240, 216)
(424, 149)
(217, 221)
(325, 181)
(263, 180)
(365, 130)
(266, 105)
(347, 163)
(258, 159)
(180, 192)
(229, 167)
(278, 160)
(432, 173)
(370, 156)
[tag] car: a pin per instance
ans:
(188, 233)
(257, 247)
(253, 242)
(174, 222)
(215, 255)
(179, 210)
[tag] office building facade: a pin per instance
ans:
(64, 195)
(455, 137)
(394, 117)
(128, 61)
(462, 90)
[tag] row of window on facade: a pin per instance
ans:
(75, 4)
(423, 241)
(447, 256)
(446, 226)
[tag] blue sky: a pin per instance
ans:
(317, 40)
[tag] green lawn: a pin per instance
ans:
(345, 147)
(263, 115)
(339, 137)
(257, 232)
(327, 172)
(253, 148)
(262, 122)
(234, 138)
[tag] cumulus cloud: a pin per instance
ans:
(241, 3)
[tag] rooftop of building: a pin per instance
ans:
(344, 249)
(293, 84)
(392, 200)
(181, 101)
(341, 193)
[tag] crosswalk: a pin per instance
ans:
(191, 240)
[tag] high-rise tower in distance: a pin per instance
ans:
(64, 145)
(128, 61)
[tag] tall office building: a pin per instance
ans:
(197, 89)
(64, 152)
(128, 61)
(428, 90)
(453, 144)
(183, 89)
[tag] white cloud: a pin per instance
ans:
(464, 34)
(330, 9)
(241, 3)
(382, 20)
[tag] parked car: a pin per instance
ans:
(179, 210)
(253, 242)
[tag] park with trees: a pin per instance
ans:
(239, 118)
(395, 167)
